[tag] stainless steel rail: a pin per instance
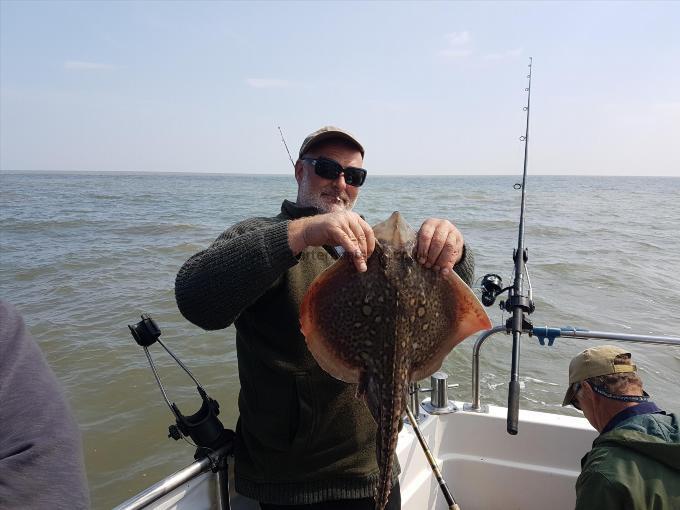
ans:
(476, 406)
(557, 332)
(175, 480)
(624, 337)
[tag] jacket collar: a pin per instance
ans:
(629, 412)
(293, 211)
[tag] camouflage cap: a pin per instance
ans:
(327, 133)
(594, 362)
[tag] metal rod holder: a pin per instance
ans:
(439, 402)
(414, 391)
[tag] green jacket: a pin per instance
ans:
(635, 466)
(302, 436)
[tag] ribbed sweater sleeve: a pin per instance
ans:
(214, 286)
(466, 266)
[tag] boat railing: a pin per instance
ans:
(550, 334)
(213, 462)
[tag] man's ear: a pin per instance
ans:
(587, 390)
(298, 170)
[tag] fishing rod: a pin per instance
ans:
(518, 303)
(433, 463)
(286, 146)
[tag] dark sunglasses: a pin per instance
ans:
(330, 169)
(574, 401)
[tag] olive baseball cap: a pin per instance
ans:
(594, 362)
(327, 133)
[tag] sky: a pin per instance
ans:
(428, 88)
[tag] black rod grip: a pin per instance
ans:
(513, 407)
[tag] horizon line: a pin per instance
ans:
(270, 174)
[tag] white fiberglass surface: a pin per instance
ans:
(486, 468)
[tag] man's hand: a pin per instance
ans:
(440, 245)
(345, 229)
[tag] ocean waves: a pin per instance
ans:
(82, 256)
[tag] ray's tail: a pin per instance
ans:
(389, 425)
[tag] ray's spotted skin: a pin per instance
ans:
(388, 326)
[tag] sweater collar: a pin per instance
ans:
(293, 211)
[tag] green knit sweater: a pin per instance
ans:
(302, 436)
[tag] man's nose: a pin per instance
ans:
(339, 181)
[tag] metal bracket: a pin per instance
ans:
(551, 333)
(484, 408)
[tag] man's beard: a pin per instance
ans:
(327, 199)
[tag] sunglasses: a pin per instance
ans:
(330, 169)
(574, 401)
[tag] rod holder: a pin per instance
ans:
(414, 391)
(439, 402)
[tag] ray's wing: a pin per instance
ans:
(446, 312)
(342, 315)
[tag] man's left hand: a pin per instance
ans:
(440, 245)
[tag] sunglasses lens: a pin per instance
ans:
(355, 176)
(327, 169)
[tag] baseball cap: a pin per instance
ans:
(594, 362)
(327, 133)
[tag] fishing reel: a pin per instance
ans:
(203, 427)
(492, 287)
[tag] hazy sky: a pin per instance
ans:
(427, 87)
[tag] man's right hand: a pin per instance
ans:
(346, 229)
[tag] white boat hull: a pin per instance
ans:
(484, 466)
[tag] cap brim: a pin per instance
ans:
(569, 396)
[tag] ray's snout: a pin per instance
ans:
(395, 231)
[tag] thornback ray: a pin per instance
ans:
(386, 327)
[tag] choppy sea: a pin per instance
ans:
(83, 255)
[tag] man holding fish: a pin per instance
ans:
(304, 439)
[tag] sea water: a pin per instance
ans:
(83, 255)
